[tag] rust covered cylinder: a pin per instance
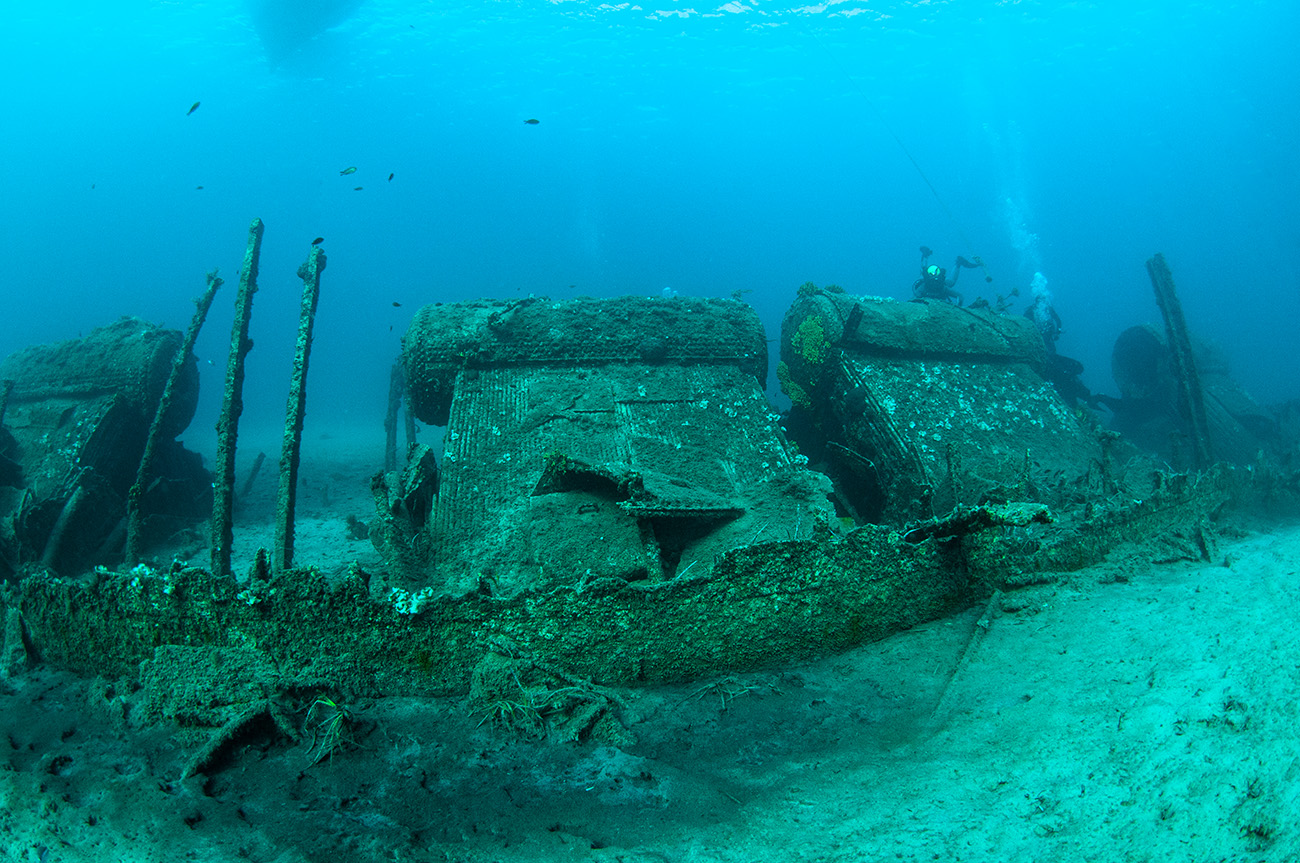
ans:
(882, 327)
(131, 358)
(917, 407)
(445, 339)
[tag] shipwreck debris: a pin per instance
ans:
(232, 405)
(915, 408)
(395, 389)
(966, 520)
(1191, 401)
(134, 498)
(626, 437)
(309, 272)
(76, 426)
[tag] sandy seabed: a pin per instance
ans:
(1131, 712)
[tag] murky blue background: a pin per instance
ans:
(702, 147)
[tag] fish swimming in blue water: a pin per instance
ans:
(352, 169)
(192, 109)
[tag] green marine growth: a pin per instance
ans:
(797, 394)
(810, 342)
(328, 721)
(809, 351)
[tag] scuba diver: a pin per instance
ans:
(1043, 314)
(934, 283)
(1062, 371)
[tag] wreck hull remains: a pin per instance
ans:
(760, 605)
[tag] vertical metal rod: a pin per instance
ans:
(1190, 398)
(396, 386)
(135, 497)
(6, 386)
(282, 558)
(232, 405)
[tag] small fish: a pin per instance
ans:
(318, 241)
(349, 170)
(92, 185)
(357, 188)
(390, 178)
(532, 121)
(197, 188)
(192, 109)
(396, 304)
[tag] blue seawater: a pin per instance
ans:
(711, 147)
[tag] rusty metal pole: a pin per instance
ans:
(1190, 399)
(282, 556)
(232, 406)
(135, 497)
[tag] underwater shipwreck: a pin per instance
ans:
(615, 502)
